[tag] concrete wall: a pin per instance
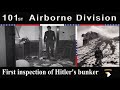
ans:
(2, 47)
(66, 32)
(32, 32)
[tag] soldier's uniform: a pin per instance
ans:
(49, 39)
(98, 56)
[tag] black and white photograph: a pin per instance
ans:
(7, 46)
(45, 46)
(98, 46)
(2, 47)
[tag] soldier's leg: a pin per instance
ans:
(52, 48)
(100, 62)
(113, 51)
(47, 49)
(96, 62)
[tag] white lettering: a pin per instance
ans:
(32, 18)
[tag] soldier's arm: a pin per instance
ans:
(54, 36)
(101, 54)
(45, 36)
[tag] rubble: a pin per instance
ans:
(45, 64)
(50, 63)
(22, 63)
(36, 65)
(65, 61)
(56, 65)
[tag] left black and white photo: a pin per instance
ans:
(7, 46)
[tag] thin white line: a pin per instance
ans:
(51, 24)
(76, 27)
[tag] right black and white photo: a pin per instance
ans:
(97, 46)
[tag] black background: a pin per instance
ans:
(115, 73)
(25, 12)
(26, 16)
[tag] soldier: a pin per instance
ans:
(84, 39)
(49, 39)
(113, 48)
(98, 56)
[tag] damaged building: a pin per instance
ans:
(23, 46)
(30, 46)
